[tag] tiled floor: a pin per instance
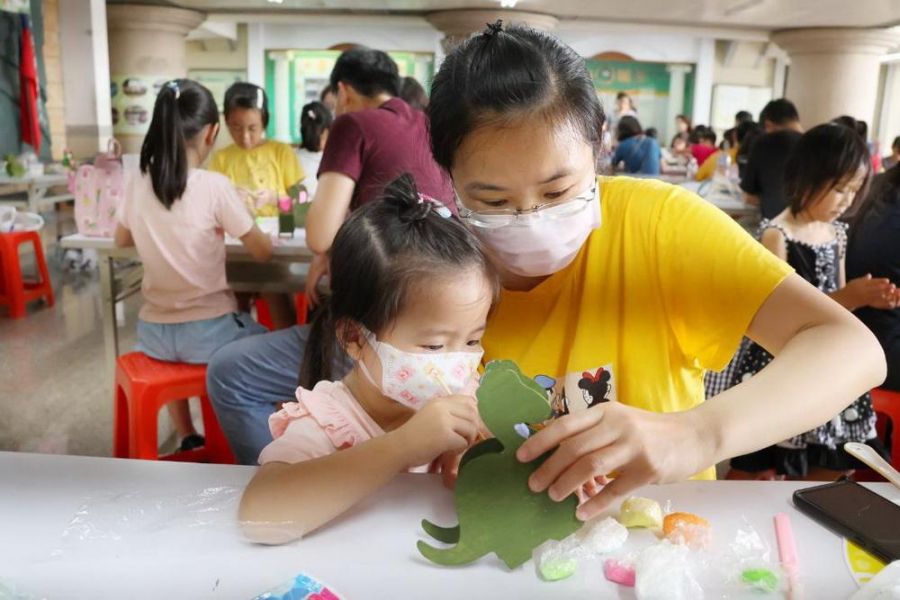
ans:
(53, 397)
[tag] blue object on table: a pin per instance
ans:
(301, 587)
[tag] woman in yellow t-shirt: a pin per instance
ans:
(263, 170)
(619, 293)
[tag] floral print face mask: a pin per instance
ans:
(412, 379)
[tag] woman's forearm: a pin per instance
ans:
(817, 374)
(284, 502)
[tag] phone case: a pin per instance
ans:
(812, 510)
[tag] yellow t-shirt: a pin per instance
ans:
(662, 291)
(270, 166)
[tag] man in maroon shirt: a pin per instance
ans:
(375, 138)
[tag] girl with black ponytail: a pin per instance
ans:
(411, 293)
(176, 215)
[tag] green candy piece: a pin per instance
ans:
(560, 568)
(761, 579)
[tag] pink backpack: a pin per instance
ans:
(98, 190)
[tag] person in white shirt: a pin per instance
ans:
(315, 123)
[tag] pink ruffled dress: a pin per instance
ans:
(322, 421)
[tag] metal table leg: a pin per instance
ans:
(108, 313)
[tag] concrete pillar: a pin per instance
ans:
(701, 112)
(281, 98)
(889, 125)
(147, 46)
(458, 25)
(834, 71)
(677, 75)
(85, 64)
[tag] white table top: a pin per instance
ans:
(175, 544)
(47, 179)
(731, 202)
(294, 247)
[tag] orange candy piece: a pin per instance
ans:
(684, 527)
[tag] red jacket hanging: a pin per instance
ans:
(29, 118)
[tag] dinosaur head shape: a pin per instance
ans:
(506, 396)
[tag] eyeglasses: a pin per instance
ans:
(493, 218)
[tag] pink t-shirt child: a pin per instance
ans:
(321, 422)
(183, 248)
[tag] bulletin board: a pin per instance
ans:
(132, 97)
(648, 85)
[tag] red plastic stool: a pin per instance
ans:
(143, 386)
(14, 292)
(887, 404)
(264, 316)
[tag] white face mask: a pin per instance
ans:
(412, 379)
(541, 242)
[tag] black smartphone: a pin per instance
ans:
(855, 512)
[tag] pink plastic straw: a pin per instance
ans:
(787, 551)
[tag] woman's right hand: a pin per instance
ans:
(443, 425)
(877, 293)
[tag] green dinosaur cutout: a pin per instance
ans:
(497, 511)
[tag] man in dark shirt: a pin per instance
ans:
(763, 178)
(375, 138)
(874, 251)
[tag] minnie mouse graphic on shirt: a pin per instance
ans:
(595, 387)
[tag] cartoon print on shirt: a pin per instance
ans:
(595, 386)
(556, 393)
(586, 388)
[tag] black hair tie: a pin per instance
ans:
(493, 29)
(410, 213)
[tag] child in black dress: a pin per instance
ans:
(824, 175)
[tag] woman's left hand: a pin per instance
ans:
(639, 446)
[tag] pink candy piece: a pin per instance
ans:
(618, 572)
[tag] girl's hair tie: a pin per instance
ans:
(410, 213)
(437, 207)
(173, 85)
(493, 29)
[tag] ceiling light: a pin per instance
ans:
(275, 1)
(508, 3)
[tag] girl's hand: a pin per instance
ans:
(319, 268)
(249, 200)
(641, 447)
(447, 465)
(443, 425)
(266, 198)
(877, 293)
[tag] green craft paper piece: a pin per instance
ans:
(448, 535)
(497, 511)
